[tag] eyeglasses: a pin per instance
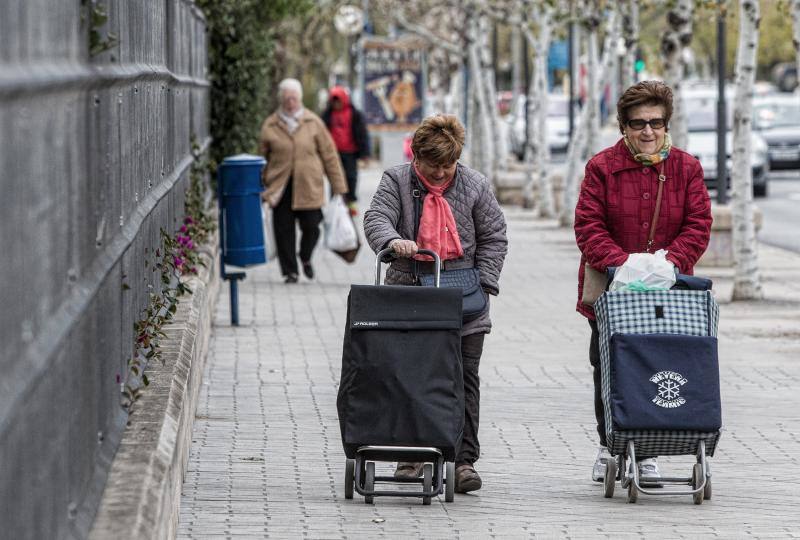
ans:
(638, 124)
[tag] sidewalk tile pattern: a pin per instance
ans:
(267, 461)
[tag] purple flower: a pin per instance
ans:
(188, 220)
(183, 229)
(190, 244)
(178, 261)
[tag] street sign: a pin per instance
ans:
(349, 20)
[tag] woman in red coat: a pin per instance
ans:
(616, 205)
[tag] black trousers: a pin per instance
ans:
(594, 359)
(471, 350)
(283, 220)
(350, 166)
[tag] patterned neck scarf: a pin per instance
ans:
(650, 159)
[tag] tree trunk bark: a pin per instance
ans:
(630, 32)
(516, 66)
(481, 116)
(746, 277)
(578, 143)
(673, 44)
(593, 86)
(537, 151)
(499, 148)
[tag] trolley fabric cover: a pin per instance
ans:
(659, 370)
(402, 381)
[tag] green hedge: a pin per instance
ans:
(240, 57)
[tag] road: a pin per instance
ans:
(781, 209)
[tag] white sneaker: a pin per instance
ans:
(648, 471)
(599, 469)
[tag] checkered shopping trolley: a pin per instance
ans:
(660, 384)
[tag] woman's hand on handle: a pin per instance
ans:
(404, 248)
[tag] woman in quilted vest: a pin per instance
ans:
(460, 220)
(615, 214)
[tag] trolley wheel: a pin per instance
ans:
(450, 482)
(697, 480)
(369, 482)
(707, 490)
(349, 478)
(610, 478)
(633, 493)
(427, 482)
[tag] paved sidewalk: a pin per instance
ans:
(267, 460)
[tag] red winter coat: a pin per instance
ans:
(616, 204)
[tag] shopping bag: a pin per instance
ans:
(269, 232)
(650, 271)
(341, 235)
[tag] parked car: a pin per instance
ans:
(701, 117)
(777, 119)
(557, 125)
(784, 75)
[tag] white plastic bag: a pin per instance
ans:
(650, 269)
(269, 232)
(340, 231)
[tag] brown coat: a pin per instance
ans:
(303, 156)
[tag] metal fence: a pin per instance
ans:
(94, 160)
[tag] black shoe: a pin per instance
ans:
(291, 278)
(308, 270)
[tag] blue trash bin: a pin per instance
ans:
(241, 223)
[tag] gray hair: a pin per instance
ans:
(290, 84)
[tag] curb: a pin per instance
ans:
(143, 492)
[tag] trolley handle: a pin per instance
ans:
(437, 263)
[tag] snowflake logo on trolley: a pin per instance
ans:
(668, 388)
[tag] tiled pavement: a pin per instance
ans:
(267, 462)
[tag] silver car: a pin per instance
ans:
(777, 119)
(557, 125)
(701, 117)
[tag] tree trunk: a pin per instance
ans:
(630, 33)
(499, 148)
(578, 143)
(673, 44)
(746, 278)
(593, 86)
(547, 206)
(481, 115)
(537, 151)
(516, 66)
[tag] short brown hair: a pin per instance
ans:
(652, 93)
(438, 140)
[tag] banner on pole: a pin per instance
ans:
(394, 84)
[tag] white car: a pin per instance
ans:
(557, 125)
(777, 119)
(701, 117)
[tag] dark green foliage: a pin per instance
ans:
(240, 57)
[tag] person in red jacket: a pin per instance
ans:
(349, 132)
(617, 202)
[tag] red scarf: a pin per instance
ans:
(437, 227)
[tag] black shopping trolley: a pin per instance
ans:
(660, 384)
(401, 392)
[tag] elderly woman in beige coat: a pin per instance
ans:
(299, 153)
